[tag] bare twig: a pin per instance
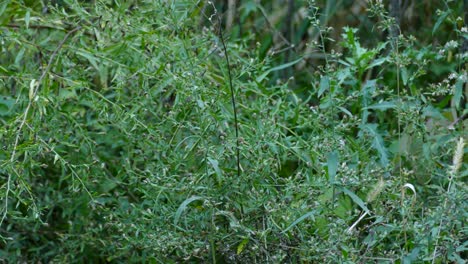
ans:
(233, 99)
(34, 26)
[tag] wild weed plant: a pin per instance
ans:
(120, 142)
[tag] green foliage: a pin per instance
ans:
(118, 134)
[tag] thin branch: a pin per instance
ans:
(33, 26)
(233, 99)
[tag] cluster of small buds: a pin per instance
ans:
(336, 54)
(452, 76)
(441, 89)
(452, 44)
(349, 176)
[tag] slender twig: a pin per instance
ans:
(233, 99)
(33, 26)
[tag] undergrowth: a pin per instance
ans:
(120, 142)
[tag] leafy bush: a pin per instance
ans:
(119, 135)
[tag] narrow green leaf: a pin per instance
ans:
(324, 85)
(242, 245)
(27, 17)
(439, 21)
(3, 6)
(377, 142)
(382, 106)
(356, 199)
(457, 96)
(183, 206)
(376, 62)
(277, 68)
(404, 75)
(300, 219)
(344, 110)
(90, 58)
(219, 174)
(332, 162)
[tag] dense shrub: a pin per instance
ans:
(119, 133)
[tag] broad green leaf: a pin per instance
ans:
(277, 68)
